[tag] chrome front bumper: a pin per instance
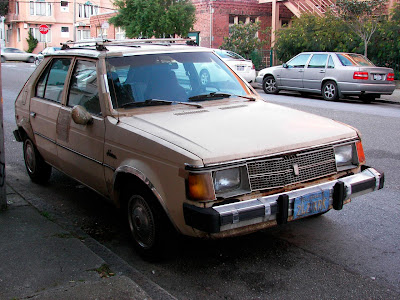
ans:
(279, 207)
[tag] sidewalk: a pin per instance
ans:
(393, 98)
(41, 260)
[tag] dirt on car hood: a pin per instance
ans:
(221, 133)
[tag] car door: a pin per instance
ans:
(291, 73)
(45, 106)
(315, 71)
(81, 147)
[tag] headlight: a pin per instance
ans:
(227, 180)
(346, 156)
(231, 182)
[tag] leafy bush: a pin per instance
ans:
(32, 42)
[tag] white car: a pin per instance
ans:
(239, 64)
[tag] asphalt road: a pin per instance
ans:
(351, 254)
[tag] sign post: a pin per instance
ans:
(3, 198)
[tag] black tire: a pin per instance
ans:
(269, 85)
(204, 77)
(330, 91)
(31, 59)
(38, 170)
(148, 224)
(37, 61)
(3, 59)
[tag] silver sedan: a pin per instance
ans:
(329, 74)
(16, 54)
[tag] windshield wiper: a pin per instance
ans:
(209, 96)
(150, 102)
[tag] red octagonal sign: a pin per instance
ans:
(43, 29)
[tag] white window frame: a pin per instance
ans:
(40, 8)
(44, 38)
(120, 33)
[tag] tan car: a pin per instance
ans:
(133, 121)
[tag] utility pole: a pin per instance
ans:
(3, 199)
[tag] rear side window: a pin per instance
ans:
(51, 83)
(318, 61)
(331, 64)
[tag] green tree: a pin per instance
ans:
(386, 41)
(313, 33)
(32, 42)
(158, 18)
(362, 17)
(3, 8)
(243, 40)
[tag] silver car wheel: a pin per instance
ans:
(141, 222)
(330, 91)
(269, 85)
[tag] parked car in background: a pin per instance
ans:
(16, 54)
(44, 52)
(333, 75)
(133, 120)
(239, 64)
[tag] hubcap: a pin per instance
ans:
(141, 222)
(270, 85)
(30, 158)
(330, 91)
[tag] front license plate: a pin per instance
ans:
(377, 77)
(311, 204)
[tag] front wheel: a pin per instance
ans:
(330, 91)
(37, 61)
(38, 170)
(148, 224)
(3, 59)
(31, 59)
(269, 85)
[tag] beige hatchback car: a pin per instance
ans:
(133, 121)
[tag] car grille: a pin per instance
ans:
(290, 169)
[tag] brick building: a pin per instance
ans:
(214, 18)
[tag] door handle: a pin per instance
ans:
(33, 114)
(322, 71)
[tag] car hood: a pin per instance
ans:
(227, 132)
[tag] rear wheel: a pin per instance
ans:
(148, 224)
(3, 59)
(330, 91)
(31, 59)
(38, 170)
(269, 85)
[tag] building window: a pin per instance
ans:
(40, 8)
(64, 6)
(18, 34)
(64, 32)
(87, 10)
(83, 34)
(242, 19)
(17, 8)
(45, 38)
(120, 33)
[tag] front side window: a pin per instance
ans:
(318, 61)
(83, 88)
(51, 83)
(299, 61)
(183, 77)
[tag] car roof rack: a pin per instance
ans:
(101, 44)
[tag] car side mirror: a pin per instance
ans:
(81, 116)
(285, 65)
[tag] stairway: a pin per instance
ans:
(299, 7)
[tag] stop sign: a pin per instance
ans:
(43, 29)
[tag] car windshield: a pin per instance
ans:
(174, 77)
(353, 59)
